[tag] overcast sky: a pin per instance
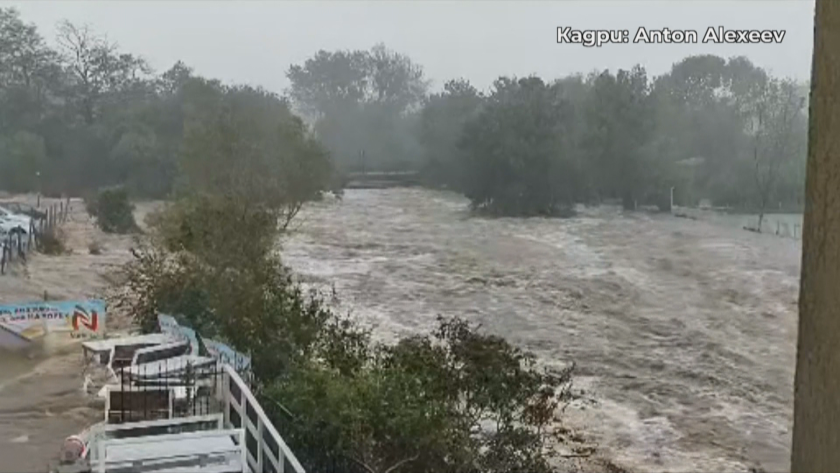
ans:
(254, 42)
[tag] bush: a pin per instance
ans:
(112, 210)
(424, 404)
(52, 241)
(95, 247)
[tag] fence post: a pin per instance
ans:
(61, 212)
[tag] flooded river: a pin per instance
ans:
(683, 331)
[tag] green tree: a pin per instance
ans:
(619, 124)
(29, 73)
(513, 157)
(22, 158)
(442, 123)
(247, 144)
(362, 104)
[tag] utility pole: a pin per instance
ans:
(816, 398)
(672, 200)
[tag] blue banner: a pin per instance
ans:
(169, 325)
(35, 319)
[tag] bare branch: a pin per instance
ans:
(401, 463)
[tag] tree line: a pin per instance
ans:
(720, 129)
(83, 114)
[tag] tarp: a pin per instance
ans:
(218, 350)
(228, 355)
(35, 319)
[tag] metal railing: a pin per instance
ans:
(153, 390)
(265, 449)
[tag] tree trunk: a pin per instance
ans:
(627, 201)
(816, 413)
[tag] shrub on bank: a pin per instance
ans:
(52, 241)
(112, 210)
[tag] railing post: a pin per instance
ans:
(260, 444)
(226, 394)
(101, 457)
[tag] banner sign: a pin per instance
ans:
(170, 326)
(34, 320)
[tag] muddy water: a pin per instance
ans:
(14, 364)
(683, 331)
(41, 403)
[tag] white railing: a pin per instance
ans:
(103, 432)
(160, 452)
(265, 450)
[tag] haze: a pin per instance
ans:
(255, 42)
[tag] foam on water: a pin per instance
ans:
(683, 330)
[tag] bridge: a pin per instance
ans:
(382, 179)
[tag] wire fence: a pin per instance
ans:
(17, 242)
(163, 390)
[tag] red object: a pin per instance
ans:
(73, 449)
(81, 316)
